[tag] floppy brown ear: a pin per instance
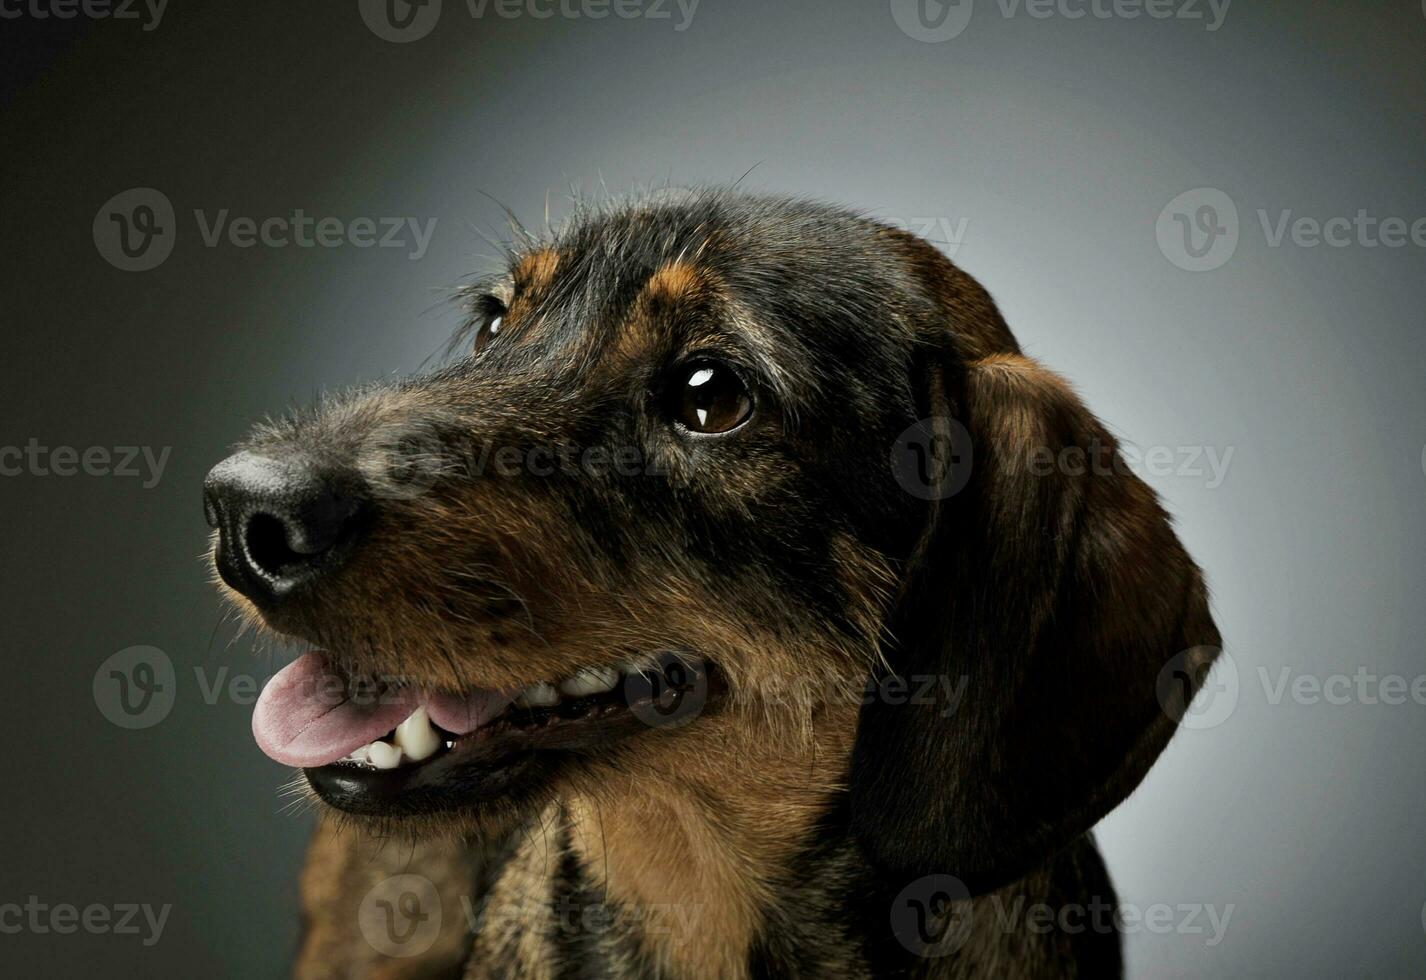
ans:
(1052, 587)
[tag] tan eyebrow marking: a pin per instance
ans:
(674, 284)
(674, 281)
(534, 271)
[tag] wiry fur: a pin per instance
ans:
(784, 826)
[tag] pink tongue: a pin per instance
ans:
(460, 715)
(305, 718)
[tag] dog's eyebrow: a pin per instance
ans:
(682, 283)
(675, 281)
(761, 352)
(533, 272)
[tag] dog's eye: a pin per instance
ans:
(490, 317)
(708, 397)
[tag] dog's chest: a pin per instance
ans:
(546, 916)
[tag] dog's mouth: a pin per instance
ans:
(387, 747)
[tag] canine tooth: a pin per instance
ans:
(383, 755)
(539, 695)
(591, 680)
(417, 737)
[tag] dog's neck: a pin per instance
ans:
(696, 871)
(680, 876)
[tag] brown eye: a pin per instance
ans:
(708, 397)
(488, 321)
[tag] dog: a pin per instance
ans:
(722, 607)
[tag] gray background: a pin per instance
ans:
(1058, 141)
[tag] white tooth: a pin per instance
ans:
(591, 680)
(384, 755)
(356, 755)
(539, 695)
(416, 736)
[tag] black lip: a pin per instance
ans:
(516, 755)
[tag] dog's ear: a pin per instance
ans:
(1049, 595)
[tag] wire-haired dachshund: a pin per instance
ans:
(722, 607)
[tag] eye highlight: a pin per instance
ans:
(489, 319)
(707, 397)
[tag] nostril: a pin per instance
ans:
(282, 522)
(265, 540)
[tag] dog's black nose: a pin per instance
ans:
(282, 521)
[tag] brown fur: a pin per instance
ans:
(772, 834)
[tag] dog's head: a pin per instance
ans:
(710, 472)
